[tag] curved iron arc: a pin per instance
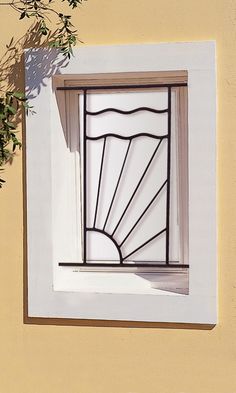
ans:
(110, 237)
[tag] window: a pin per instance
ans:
(133, 167)
(175, 83)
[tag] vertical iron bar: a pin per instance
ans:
(168, 179)
(85, 175)
(99, 182)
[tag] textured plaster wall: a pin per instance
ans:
(80, 359)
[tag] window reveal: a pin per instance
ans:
(133, 140)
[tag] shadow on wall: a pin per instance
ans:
(49, 63)
(169, 282)
(15, 62)
(13, 66)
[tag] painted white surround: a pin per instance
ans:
(51, 168)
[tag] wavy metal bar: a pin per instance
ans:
(142, 108)
(144, 244)
(95, 138)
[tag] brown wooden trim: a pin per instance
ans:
(182, 139)
(124, 78)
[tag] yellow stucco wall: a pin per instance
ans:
(73, 359)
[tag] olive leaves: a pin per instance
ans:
(65, 37)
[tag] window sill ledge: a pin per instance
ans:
(158, 283)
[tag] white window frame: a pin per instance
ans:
(42, 129)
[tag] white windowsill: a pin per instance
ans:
(70, 279)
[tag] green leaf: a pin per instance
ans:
(18, 95)
(11, 109)
(11, 125)
(22, 15)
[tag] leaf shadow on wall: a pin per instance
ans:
(15, 62)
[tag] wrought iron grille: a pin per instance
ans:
(124, 258)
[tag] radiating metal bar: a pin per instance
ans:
(143, 108)
(95, 138)
(136, 188)
(113, 87)
(85, 177)
(144, 244)
(168, 179)
(99, 182)
(118, 182)
(143, 213)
